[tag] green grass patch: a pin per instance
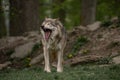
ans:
(84, 72)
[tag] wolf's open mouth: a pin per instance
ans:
(47, 33)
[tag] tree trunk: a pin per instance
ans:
(88, 11)
(61, 14)
(2, 23)
(24, 16)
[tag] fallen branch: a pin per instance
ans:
(83, 59)
(4, 65)
(37, 59)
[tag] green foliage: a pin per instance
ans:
(113, 24)
(72, 8)
(70, 55)
(85, 51)
(106, 23)
(82, 40)
(2, 23)
(107, 9)
(48, 8)
(106, 60)
(26, 62)
(72, 12)
(36, 47)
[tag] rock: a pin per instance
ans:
(23, 50)
(116, 60)
(94, 26)
(82, 27)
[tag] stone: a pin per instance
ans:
(116, 60)
(94, 26)
(23, 50)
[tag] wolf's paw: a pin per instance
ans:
(59, 70)
(47, 70)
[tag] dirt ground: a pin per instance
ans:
(104, 41)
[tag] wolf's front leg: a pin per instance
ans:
(60, 61)
(46, 58)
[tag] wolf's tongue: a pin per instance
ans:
(47, 35)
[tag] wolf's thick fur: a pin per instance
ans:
(53, 40)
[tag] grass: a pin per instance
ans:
(84, 72)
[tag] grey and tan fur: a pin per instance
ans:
(53, 39)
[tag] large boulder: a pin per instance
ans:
(23, 50)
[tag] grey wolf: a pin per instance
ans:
(53, 37)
